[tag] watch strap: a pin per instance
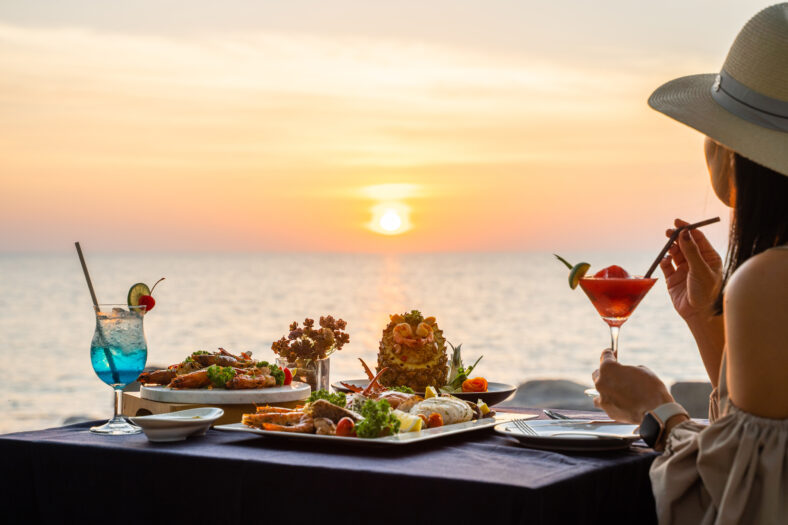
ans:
(653, 425)
(667, 411)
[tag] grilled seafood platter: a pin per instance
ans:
(375, 411)
(219, 369)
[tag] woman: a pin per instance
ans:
(734, 470)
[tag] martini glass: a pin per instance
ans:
(615, 298)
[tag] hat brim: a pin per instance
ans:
(689, 100)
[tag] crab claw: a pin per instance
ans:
(373, 383)
(352, 388)
(369, 373)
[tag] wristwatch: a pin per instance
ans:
(653, 425)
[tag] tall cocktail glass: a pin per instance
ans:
(118, 353)
(615, 298)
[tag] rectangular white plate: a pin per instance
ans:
(399, 439)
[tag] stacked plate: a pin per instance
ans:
(571, 435)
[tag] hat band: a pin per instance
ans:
(750, 105)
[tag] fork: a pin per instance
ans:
(524, 427)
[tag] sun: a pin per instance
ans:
(390, 218)
(390, 221)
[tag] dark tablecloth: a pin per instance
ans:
(68, 475)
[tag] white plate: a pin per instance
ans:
(177, 426)
(399, 439)
(496, 392)
(573, 435)
(278, 394)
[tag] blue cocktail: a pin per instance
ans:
(118, 353)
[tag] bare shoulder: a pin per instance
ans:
(756, 334)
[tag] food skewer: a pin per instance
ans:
(673, 238)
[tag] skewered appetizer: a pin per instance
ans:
(413, 352)
(219, 370)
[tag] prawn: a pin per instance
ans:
(245, 381)
(196, 379)
(293, 421)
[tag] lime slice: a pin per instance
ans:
(135, 292)
(578, 272)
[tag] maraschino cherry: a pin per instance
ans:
(147, 300)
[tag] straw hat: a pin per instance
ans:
(745, 106)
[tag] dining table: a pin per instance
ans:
(69, 475)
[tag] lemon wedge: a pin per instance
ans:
(430, 392)
(483, 408)
(408, 422)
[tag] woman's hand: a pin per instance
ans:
(626, 393)
(693, 273)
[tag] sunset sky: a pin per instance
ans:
(296, 126)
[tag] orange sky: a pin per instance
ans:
(268, 136)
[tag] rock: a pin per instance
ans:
(71, 420)
(551, 393)
(693, 396)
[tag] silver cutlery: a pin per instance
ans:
(524, 427)
(554, 415)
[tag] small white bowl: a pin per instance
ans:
(177, 426)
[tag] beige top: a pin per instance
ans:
(732, 471)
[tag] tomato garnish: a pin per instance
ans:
(288, 376)
(346, 427)
(476, 384)
(435, 420)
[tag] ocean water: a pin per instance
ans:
(514, 308)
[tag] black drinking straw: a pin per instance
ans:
(673, 238)
(113, 369)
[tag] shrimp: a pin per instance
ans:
(424, 330)
(156, 377)
(216, 359)
(245, 381)
(274, 410)
(198, 379)
(293, 421)
(403, 335)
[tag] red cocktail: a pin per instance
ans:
(615, 298)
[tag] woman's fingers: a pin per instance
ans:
(678, 257)
(692, 253)
(607, 355)
(666, 265)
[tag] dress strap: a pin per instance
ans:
(722, 386)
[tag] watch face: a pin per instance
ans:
(650, 430)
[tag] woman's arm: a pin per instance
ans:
(756, 327)
(693, 273)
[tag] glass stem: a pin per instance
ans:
(118, 400)
(614, 339)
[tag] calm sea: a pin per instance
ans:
(515, 308)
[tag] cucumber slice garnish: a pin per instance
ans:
(135, 292)
(578, 272)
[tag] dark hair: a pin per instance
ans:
(760, 215)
